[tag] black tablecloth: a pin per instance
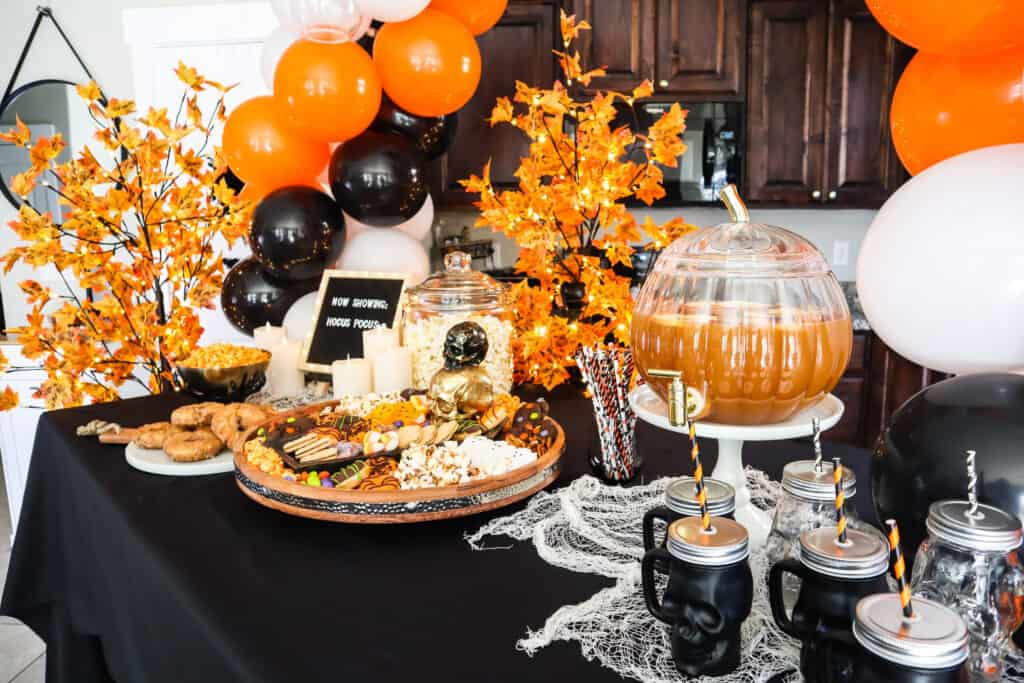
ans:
(140, 578)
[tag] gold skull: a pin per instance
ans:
(465, 392)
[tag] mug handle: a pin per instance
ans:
(780, 568)
(659, 512)
(647, 569)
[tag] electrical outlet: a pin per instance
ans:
(841, 254)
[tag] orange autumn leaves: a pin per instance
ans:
(141, 231)
(568, 210)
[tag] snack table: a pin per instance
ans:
(136, 577)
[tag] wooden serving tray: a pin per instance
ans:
(396, 507)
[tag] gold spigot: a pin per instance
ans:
(677, 414)
(730, 196)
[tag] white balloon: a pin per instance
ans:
(941, 271)
(419, 225)
(386, 250)
(392, 10)
(325, 21)
(273, 47)
(299, 317)
(354, 227)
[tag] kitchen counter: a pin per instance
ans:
(860, 321)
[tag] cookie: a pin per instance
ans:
(201, 444)
(232, 422)
(196, 415)
(152, 436)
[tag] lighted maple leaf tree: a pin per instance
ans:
(568, 214)
(135, 247)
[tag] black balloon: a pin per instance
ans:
(297, 232)
(367, 41)
(920, 458)
(251, 298)
(432, 135)
(379, 178)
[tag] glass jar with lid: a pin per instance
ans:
(969, 563)
(458, 294)
(752, 317)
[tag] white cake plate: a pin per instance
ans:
(157, 462)
(651, 409)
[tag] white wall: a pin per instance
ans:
(95, 27)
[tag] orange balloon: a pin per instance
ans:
(944, 106)
(430, 64)
(327, 91)
(479, 16)
(953, 27)
(262, 151)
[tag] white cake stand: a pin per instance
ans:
(650, 408)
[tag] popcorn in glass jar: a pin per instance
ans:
(458, 294)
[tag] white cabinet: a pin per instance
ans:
(18, 428)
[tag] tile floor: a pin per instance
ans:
(21, 652)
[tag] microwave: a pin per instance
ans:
(714, 149)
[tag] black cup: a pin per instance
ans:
(681, 501)
(705, 602)
(825, 604)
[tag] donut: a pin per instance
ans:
(234, 421)
(201, 444)
(196, 415)
(152, 435)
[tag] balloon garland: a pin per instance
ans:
(365, 94)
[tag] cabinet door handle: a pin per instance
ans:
(663, 83)
(816, 194)
(832, 195)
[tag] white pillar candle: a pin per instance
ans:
(378, 339)
(392, 369)
(285, 378)
(268, 336)
(352, 377)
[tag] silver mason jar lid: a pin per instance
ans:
(863, 556)
(726, 544)
(935, 638)
(800, 479)
(991, 531)
(681, 497)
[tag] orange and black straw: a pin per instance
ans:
(837, 477)
(899, 568)
(698, 476)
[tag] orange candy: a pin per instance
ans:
(327, 91)
(261, 151)
(429, 65)
(479, 16)
(953, 27)
(944, 106)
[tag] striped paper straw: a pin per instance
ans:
(816, 426)
(899, 568)
(698, 477)
(837, 477)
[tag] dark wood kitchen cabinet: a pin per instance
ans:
(518, 48)
(818, 93)
(691, 48)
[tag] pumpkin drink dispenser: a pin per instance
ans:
(752, 317)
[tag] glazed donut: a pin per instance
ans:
(152, 436)
(201, 444)
(233, 421)
(196, 415)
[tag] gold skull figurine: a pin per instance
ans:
(461, 388)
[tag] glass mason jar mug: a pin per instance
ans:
(969, 563)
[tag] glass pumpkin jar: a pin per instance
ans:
(458, 294)
(750, 314)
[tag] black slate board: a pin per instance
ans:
(348, 304)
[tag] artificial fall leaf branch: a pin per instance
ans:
(137, 233)
(568, 213)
